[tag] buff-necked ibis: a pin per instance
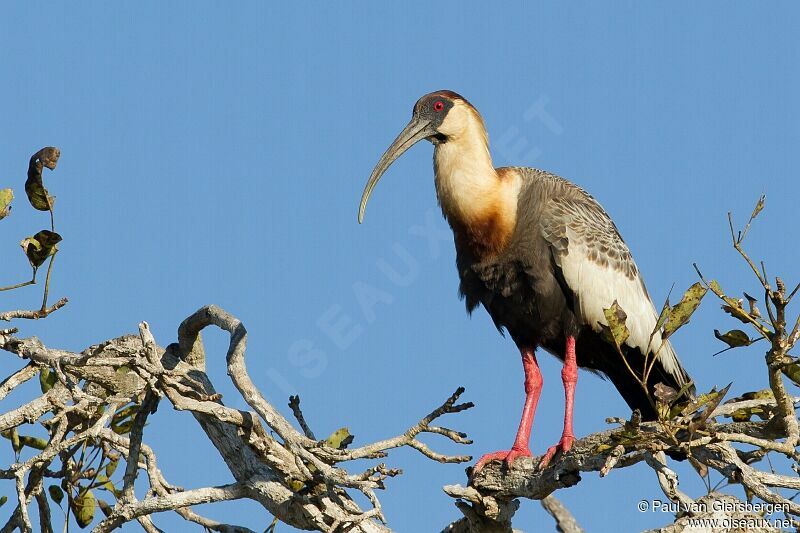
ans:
(543, 258)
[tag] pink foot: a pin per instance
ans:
(564, 445)
(506, 455)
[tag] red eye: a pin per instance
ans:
(438, 106)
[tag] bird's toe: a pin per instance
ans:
(564, 445)
(507, 456)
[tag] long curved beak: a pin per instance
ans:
(415, 131)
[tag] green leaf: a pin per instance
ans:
(792, 371)
(662, 318)
(103, 483)
(6, 195)
(3, 500)
(704, 399)
(34, 188)
(712, 401)
(665, 396)
(682, 312)
(122, 421)
(13, 436)
(56, 494)
(681, 400)
(41, 246)
(125, 412)
(715, 288)
(339, 438)
(15, 442)
(123, 428)
(763, 411)
(734, 338)
(83, 508)
(747, 413)
(759, 206)
(105, 507)
(32, 442)
(734, 308)
(47, 379)
(111, 467)
(616, 331)
(110, 487)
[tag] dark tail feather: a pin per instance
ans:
(606, 360)
(631, 390)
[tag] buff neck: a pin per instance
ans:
(478, 201)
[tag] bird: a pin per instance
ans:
(545, 260)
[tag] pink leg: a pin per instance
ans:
(533, 387)
(569, 375)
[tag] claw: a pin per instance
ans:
(564, 445)
(507, 456)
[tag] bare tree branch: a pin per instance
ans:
(565, 522)
(95, 405)
(34, 315)
(158, 504)
(17, 378)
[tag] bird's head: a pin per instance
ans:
(438, 117)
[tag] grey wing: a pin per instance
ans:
(598, 267)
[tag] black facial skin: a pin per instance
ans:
(429, 113)
(433, 108)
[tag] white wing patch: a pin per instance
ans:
(596, 287)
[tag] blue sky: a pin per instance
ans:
(216, 153)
